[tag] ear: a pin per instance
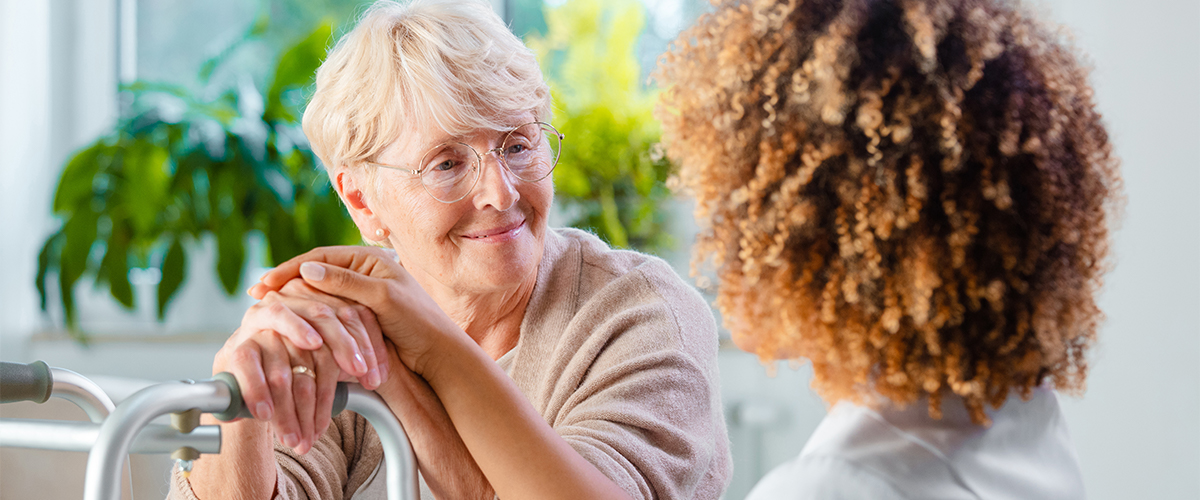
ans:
(350, 189)
(352, 194)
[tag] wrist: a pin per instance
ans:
(449, 352)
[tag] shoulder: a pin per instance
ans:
(602, 264)
(638, 289)
(823, 477)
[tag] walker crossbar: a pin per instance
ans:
(65, 435)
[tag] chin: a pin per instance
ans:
(505, 267)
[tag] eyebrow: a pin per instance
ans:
(446, 137)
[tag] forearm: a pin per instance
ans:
(446, 465)
(521, 455)
(245, 468)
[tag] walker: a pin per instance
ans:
(117, 431)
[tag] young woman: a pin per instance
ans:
(915, 196)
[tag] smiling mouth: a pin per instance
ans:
(497, 234)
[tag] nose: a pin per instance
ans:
(497, 186)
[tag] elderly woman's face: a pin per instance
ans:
(490, 240)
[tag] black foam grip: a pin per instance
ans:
(25, 382)
(340, 396)
(237, 408)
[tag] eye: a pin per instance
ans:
(445, 165)
(516, 149)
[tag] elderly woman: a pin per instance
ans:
(914, 195)
(523, 361)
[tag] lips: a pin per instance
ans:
(501, 233)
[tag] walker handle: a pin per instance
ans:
(237, 407)
(25, 382)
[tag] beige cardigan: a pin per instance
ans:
(616, 352)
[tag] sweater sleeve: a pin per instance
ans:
(631, 384)
(339, 463)
(646, 422)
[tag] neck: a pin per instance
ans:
(491, 319)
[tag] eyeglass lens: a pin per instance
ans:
(449, 171)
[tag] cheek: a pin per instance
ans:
(540, 195)
(405, 213)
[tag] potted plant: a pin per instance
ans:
(176, 168)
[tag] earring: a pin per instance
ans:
(379, 233)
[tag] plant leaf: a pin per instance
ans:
(48, 259)
(174, 271)
(146, 183)
(80, 235)
(115, 265)
(282, 243)
(231, 253)
(75, 183)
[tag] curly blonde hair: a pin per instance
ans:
(914, 195)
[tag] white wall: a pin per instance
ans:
(1138, 427)
(24, 141)
(57, 92)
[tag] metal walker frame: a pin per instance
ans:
(115, 431)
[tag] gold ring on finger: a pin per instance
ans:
(304, 370)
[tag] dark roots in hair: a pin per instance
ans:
(912, 194)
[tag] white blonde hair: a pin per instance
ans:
(453, 63)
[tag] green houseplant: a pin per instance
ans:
(176, 168)
(611, 179)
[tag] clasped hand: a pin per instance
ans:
(327, 311)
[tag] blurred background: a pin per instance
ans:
(151, 166)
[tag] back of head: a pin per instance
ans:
(452, 63)
(912, 194)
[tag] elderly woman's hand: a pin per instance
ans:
(291, 350)
(297, 405)
(311, 318)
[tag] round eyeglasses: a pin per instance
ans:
(450, 170)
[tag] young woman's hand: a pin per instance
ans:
(406, 314)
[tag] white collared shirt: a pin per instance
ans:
(902, 453)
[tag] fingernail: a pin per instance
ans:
(314, 339)
(291, 440)
(373, 378)
(264, 275)
(360, 366)
(262, 410)
(312, 271)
